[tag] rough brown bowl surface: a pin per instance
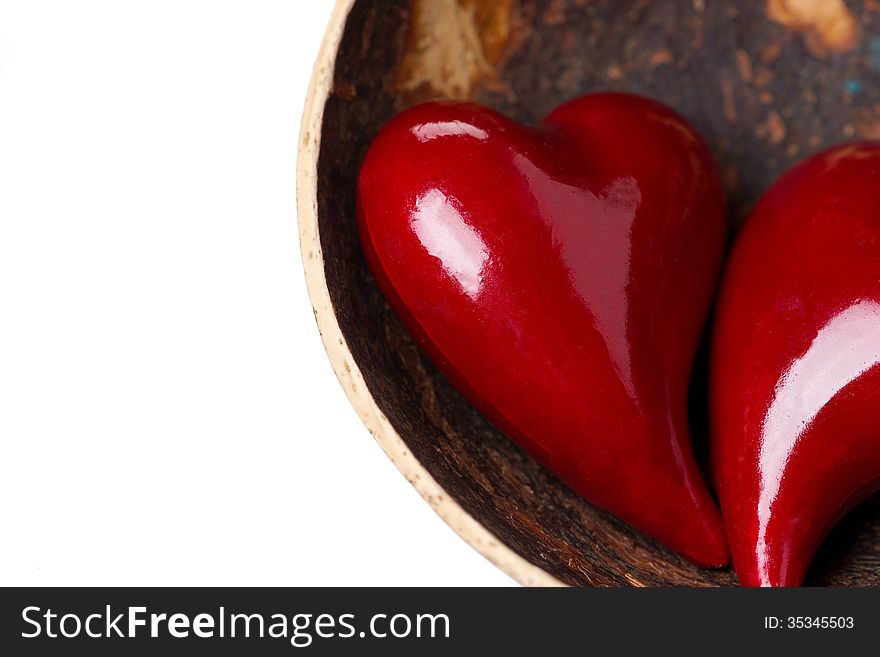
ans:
(767, 83)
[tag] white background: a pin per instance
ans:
(167, 412)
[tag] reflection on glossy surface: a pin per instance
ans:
(443, 232)
(560, 277)
(601, 280)
(795, 376)
(844, 349)
(436, 129)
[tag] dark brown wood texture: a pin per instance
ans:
(764, 92)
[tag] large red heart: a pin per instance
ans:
(560, 277)
(796, 364)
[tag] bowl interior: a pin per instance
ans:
(767, 83)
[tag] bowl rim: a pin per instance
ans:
(341, 358)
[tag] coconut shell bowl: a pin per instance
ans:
(766, 83)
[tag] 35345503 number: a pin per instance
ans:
(809, 622)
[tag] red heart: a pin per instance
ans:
(795, 376)
(560, 277)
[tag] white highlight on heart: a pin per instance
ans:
(442, 230)
(844, 349)
(428, 131)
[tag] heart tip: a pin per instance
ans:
(715, 557)
(754, 579)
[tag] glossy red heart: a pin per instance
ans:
(795, 378)
(560, 276)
